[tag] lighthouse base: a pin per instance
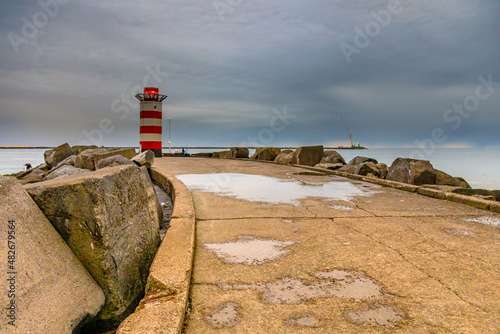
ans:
(158, 153)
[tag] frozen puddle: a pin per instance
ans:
(249, 250)
(259, 188)
(226, 316)
(382, 316)
(305, 321)
(492, 221)
(337, 283)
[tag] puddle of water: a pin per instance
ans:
(304, 321)
(259, 188)
(382, 316)
(249, 250)
(287, 221)
(459, 232)
(226, 316)
(337, 283)
(492, 221)
(341, 207)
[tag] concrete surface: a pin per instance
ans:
(392, 262)
(163, 308)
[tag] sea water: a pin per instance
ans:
(479, 166)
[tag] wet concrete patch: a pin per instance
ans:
(486, 220)
(341, 207)
(382, 316)
(227, 315)
(336, 283)
(259, 188)
(460, 232)
(250, 250)
(303, 321)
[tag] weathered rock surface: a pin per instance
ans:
(332, 157)
(77, 149)
(113, 161)
(445, 179)
(85, 159)
(412, 171)
(88, 159)
(383, 170)
(330, 166)
(479, 192)
(367, 168)
(110, 219)
(285, 157)
(266, 153)
(36, 174)
(359, 160)
(54, 292)
(145, 158)
(68, 161)
(56, 155)
(307, 155)
(351, 169)
(239, 152)
(128, 152)
(64, 171)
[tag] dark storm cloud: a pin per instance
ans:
(227, 64)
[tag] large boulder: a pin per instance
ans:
(110, 219)
(447, 180)
(63, 171)
(86, 158)
(77, 149)
(285, 157)
(145, 158)
(351, 169)
(332, 157)
(307, 155)
(224, 155)
(266, 153)
(89, 159)
(412, 171)
(383, 169)
(54, 292)
(367, 168)
(239, 152)
(56, 155)
(359, 160)
(36, 174)
(127, 152)
(113, 161)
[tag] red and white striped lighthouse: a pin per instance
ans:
(151, 114)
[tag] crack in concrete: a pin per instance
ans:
(416, 267)
(449, 250)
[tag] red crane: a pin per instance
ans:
(345, 126)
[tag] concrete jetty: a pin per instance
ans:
(281, 249)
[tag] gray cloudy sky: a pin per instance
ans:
(69, 69)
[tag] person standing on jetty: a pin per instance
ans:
(28, 166)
